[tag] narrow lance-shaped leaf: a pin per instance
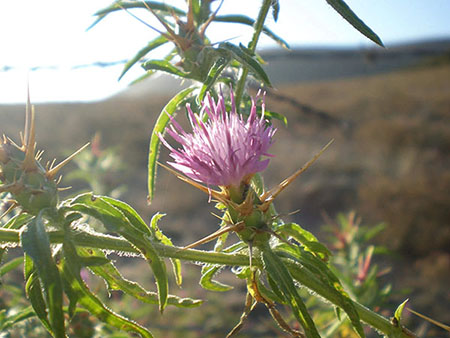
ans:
(34, 292)
(11, 265)
(159, 236)
(13, 317)
(275, 267)
(159, 127)
(115, 220)
(116, 281)
(76, 288)
(119, 5)
(159, 41)
(345, 11)
(275, 9)
(247, 60)
(36, 244)
(215, 71)
(164, 66)
(245, 20)
(207, 282)
(315, 265)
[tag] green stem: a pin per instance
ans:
(257, 29)
(305, 277)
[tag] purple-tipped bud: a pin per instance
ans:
(225, 150)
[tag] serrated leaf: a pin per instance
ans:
(245, 20)
(176, 263)
(345, 11)
(275, 267)
(76, 288)
(35, 243)
(164, 66)
(116, 281)
(247, 60)
(115, 220)
(207, 282)
(159, 127)
(155, 43)
(399, 311)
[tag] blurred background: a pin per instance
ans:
(387, 109)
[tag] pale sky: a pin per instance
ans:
(51, 35)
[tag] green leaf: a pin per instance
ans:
(159, 41)
(176, 263)
(276, 269)
(345, 11)
(273, 115)
(17, 221)
(117, 221)
(132, 215)
(155, 5)
(214, 72)
(36, 244)
(207, 282)
(275, 9)
(34, 292)
(164, 66)
(149, 73)
(16, 317)
(305, 238)
(318, 267)
(242, 55)
(77, 289)
(399, 311)
(160, 127)
(245, 20)
(116, 281)
(11, 265)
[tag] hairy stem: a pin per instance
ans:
(258, 26)
(8, 236)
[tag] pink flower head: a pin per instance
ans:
(224, 150)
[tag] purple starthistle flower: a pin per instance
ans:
(225, 150)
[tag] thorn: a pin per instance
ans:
(65, 188)
(13, 205)
(50, 165)
(210, 19)
(38, 156)
(53, 171)
(29, 163)
(59, 179)
(220, 196)
(268, 197)
(214, 235)
(27, 117)
(435, 322)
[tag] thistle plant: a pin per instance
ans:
(224, 156)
